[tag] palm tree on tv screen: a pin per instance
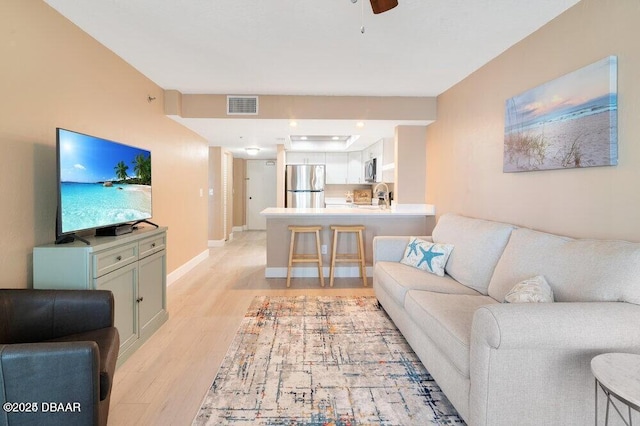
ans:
(142, 167)
(121, 170)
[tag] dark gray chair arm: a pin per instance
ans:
(36, 315)
(50, 374)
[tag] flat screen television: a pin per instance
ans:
(102, 185)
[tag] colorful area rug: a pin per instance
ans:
(322, 361)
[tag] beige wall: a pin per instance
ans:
(307, 107)
(410, 173)
(228, 158)
(465, 144)
(216, 211)
(281, 168)
(55, 75)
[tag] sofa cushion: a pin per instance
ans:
(576, 270)
(427, 256)
(535, 289)
(478, 246)
(446, 319)
(397, 279)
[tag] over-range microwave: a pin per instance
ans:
(370, 170)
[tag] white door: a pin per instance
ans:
(261, 191)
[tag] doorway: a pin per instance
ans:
(261, 191)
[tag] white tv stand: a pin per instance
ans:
(132, 266)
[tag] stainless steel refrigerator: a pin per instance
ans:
(305, 185)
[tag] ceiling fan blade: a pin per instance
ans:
(380, 6)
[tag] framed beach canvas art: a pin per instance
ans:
(566, 123)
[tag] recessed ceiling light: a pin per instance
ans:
(252, 150)
(335, 138)
(360, 124)
(303, 138)
(293, 123)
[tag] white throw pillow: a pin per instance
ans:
(534, 289)
(430, 257)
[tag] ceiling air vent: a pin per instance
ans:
(242, 105)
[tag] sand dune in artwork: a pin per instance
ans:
(579, 142)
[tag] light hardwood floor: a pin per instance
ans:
(165, 381)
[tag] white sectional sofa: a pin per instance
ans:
(513, 363)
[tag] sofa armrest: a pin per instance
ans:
(50, 374)
(391, 248)
(523, 350)
(557, 325)
(35, 315)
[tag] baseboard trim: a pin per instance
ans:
(216, 243)
(311, 272)
(239, 228)
(182, 270)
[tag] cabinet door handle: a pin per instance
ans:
(139, 299)
(118, 258)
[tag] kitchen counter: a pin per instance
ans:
(335, 200)
(410, 219)
(353, 211)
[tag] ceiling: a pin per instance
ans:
(306, 47)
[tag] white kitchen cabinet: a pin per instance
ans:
(373, 151)
(355, 171)
(341, 167)
(132, 266)
(337, 168)
(377, 150)
(305, 157)
(367, 154)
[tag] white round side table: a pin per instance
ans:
(618, 375)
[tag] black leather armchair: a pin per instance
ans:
(58, 353)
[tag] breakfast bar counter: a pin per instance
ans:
(353, 211)
(408, 219)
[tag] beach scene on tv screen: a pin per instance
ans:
(102, 183)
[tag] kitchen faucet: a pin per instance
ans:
(385, 194)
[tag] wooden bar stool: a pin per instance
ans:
(348, 257)
(304, 258)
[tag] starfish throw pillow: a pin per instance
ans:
(430, 257)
